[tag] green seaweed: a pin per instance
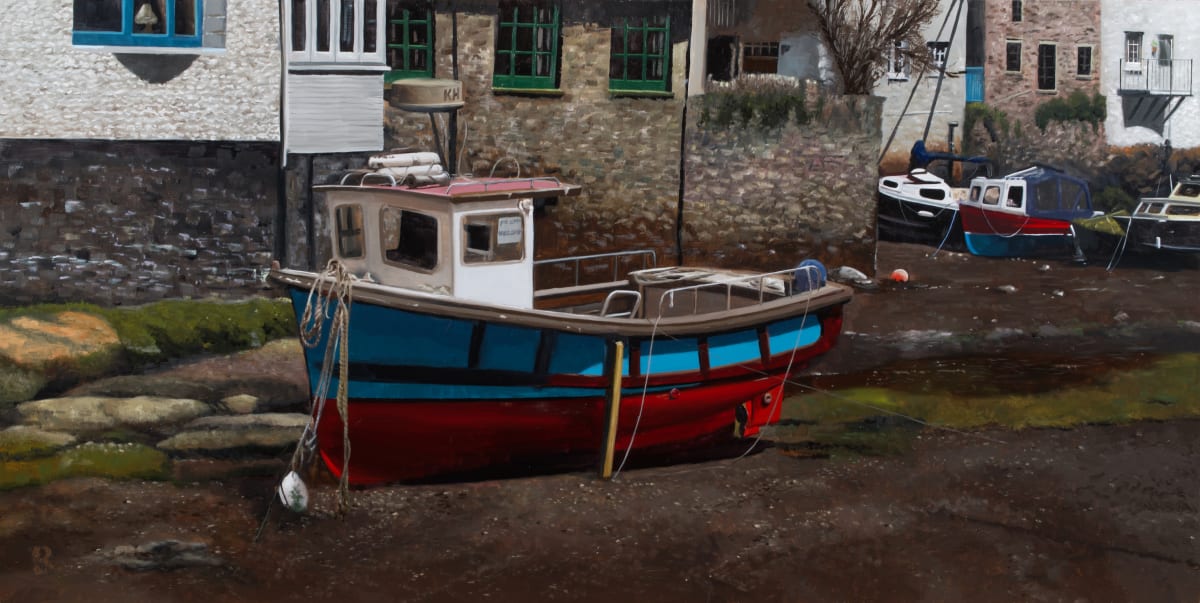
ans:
(115, 461)
(1159, 390)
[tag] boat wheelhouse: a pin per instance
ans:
(454, 361)
(1026, 213)
(1169, 223)
(918, 206)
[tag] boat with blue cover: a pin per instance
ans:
(1026, 213)
(450, 360)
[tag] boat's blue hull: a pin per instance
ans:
(1015, 246)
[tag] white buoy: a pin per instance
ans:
(293, 493)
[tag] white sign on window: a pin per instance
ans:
(508, 230)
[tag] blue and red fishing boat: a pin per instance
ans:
(1026, 213)
(447, 359)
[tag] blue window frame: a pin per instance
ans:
(173, 23)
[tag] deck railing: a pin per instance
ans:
(1171, 77)
(617, 258)
(781, 283)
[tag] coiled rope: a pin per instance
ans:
(329, 299)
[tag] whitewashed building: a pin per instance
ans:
(1148, 75)
(140, 70)
(908, 115)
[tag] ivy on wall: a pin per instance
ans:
(1077, 107)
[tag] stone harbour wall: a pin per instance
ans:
(763, 198)
(127, 222)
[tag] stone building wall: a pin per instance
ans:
(623, 150)
(131, 222)
(761, 198)
(1067, 23)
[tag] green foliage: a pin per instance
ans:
(994, 120)
(1114, 198)
(766, 107)
(1077, 107)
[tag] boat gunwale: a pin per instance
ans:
(802, 304)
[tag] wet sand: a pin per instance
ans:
(1098, 513)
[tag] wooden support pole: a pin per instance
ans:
(613, 409)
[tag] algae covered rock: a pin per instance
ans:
(24, 441)
(266, 431)
(59, 348)
(114, 461)
(93, 413)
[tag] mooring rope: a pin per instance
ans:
(332, 290)
(650, 364)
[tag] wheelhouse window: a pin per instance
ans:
(1017, 12)
(138, 23)
(1133, 50)
(1016, 197)
(938, 51)
(1083, 62)
(1183, 210)
(409, 238)
(1047, 68)
(1187, 190)
(1012, 56)
(638, 59)
(349, 231)
(325, 32)
(493, 238)
(897, 64)
(991, 196)
(527, 46)
(409, 40)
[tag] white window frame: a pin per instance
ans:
(1020, 55)
(1091, 61)
(1133, 50)
(335, 57)
(898, 68)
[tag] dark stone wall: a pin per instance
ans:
(121, 222)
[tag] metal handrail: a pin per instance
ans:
(1156, 76)
(812, 275)
(578, 259)
(637, 302)
(364, 174)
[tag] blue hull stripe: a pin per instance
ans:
(397, 354)
(991, 245)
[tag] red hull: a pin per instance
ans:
(393, 441)
(992, 222)
(404, 440)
